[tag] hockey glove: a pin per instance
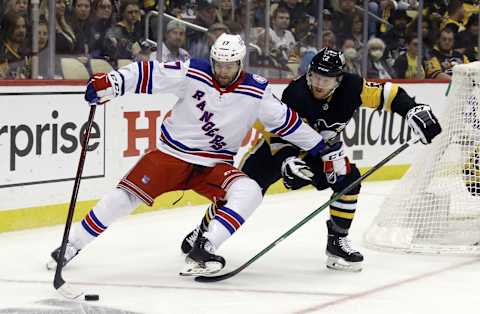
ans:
(98, 88)
(335, 163)
(424, 123)
(295, 173)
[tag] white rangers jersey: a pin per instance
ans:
(207, 124)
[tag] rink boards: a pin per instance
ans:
(40, 129)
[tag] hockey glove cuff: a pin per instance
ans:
(98, 87)
(336, 164)
(424, 123)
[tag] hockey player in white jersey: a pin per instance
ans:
(217, 105)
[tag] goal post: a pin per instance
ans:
(435, 208)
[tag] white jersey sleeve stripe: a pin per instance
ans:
(290, 121)
(144, 82)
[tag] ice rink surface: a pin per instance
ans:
(134, 268)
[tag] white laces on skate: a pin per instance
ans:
(191, 239)
(345, 245)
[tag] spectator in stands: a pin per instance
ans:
(352, 60)
(81, 25)
(327, 20)
(395, 38)
(329, 40)
(17, 7)
(377, 65)
(173, 42)
(296, 10)
(455, 16)
(102, 20)
(429, 35)
(469, 39)
(343, 18)
(283, 41)
(226, 11)
(384, 9)
(357, 31)
(240, 20)
(43, 51)
(205, 17)
(405, 65)
(14, 60)
(307, 53)
(440, 65)
(201, 48)
(123, 39)
(65, 39)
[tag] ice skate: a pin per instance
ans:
(189, 240)
(201, 260)
(340, 255)
(70, 253)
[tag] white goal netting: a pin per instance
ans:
(435, 208)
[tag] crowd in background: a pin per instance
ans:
(114, 30)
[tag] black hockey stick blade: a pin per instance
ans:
(58, 282)
(309, 217)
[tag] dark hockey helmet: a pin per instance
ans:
(328, 62)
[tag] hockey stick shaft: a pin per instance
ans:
(309, 217)
(58, 280)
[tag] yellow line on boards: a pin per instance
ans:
(49, 215)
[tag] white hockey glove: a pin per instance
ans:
(424, 123)
(296, 173)
(335, 163)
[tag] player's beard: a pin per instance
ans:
(225, 81)
(321, 93)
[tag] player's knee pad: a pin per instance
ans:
(349, 179)
(244, 196)
(116, 204)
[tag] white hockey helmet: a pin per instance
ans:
(228, 48)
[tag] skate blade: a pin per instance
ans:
(51, 264)
(194, 269)
(337, 263)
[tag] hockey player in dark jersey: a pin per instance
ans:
(327, 99)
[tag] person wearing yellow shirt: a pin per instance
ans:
(405, 65)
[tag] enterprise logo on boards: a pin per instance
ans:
(41, 136)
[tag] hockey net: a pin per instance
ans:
(435, 208)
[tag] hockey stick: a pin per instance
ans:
(309, 217)
(60, 285)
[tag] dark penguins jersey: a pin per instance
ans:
(334, 112)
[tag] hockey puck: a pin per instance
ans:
(92, 297)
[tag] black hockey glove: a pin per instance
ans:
(424, 123)
(296, 174)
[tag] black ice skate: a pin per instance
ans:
(201, 260)
(190, 238)
(70, 253)
(340, 255)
